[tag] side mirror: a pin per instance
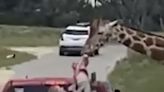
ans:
(93, 77)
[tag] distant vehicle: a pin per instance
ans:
(49, 84)
(73, 39)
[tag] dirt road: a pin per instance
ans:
(54, 65)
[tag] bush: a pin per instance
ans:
(66, 18)
(20, 19)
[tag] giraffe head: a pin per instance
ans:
(113, 29)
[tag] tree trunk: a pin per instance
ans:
(161, 23)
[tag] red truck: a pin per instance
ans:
(47, 85)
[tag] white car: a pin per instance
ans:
(73, 39)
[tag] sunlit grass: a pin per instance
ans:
(28, 36)
(138, 74)
(20, 57)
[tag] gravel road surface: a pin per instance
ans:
(52, 64)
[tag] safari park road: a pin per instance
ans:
(52, 64)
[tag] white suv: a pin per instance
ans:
(73, 39)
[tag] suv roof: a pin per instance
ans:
(84, 24)
(38, 81)
(75, 27)
(79, 26)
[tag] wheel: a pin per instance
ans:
(93, 76)
(96, 52)
(107, 39)
(101, 44)
(61, 53)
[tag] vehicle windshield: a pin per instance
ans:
(77, 32)
(39, 88)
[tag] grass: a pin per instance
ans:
(24, 36)
(138, 74)
(20, 57)
(28, 36)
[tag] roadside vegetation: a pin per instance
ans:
(60, 13)
(19, 58)
(138, 73)
(28, 36)
(15, 36)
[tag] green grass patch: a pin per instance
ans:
(20, 57)
(138, 74)
(28, 36)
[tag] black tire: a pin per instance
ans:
(96, 52)
(107, 39)
(101, 44)
(93, 77)
(61, 53)
(117, 90)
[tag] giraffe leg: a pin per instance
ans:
(92, 54)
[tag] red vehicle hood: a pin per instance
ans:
(43, 81)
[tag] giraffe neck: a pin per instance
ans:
(144, 43)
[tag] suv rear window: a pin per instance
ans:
(77, 32)
(34, 88)
(37, 88)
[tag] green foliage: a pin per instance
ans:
(138, 74)
(66, 18)
(144, 14)
(28, 36)
(24, 36)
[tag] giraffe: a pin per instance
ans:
(92, 44)
(146, 43)
(105, 34)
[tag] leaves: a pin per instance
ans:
(147, 15)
